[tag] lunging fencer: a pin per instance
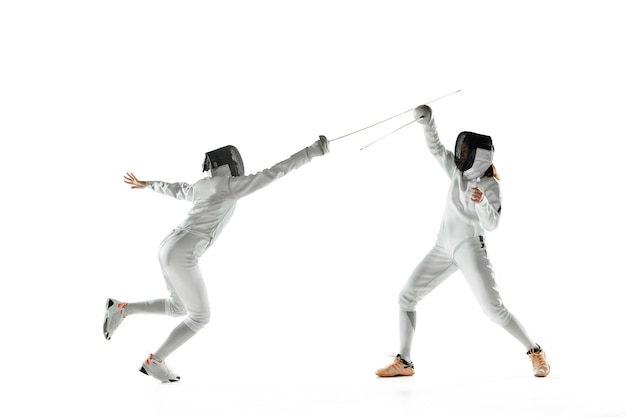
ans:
(214, 198)
(473, 207)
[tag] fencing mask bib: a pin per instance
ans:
(227, 155)
(473, 154)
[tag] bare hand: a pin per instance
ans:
(130, 178)
(477, 195)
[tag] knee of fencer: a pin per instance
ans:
(197, 322)
(175, 309)
(499, 315)
(406, 302)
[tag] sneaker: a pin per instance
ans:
(158, 369)
(399, 367)
(115, 313)
(537, 356)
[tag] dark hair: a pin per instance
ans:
(492, 172)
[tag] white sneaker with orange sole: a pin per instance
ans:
(158, 369)
(114, 314)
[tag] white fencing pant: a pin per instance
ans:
(470, 257)
(179, 254)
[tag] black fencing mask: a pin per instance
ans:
(227, 155)
(473, 154)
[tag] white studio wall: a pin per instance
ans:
(309, 269)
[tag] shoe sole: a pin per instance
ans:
(144, 371)
(105, 326)
(393, 376)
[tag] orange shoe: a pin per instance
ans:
(537, 356)
(399, 367)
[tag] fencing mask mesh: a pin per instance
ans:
(473, 154)
(227, 155)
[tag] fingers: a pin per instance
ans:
(477, 195)
(130, 179)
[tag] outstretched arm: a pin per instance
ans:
(242, 186)
(178, 190)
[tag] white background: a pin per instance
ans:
(303, 282)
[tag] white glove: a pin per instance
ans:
(319, 148)
(423, 114)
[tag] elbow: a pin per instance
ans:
(491, 224)
(490, 227)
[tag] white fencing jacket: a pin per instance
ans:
(462, 218)
(214, 198)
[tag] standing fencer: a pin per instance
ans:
(214, 198)
(473, 207)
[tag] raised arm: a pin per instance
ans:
(424, 116)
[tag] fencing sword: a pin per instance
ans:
(389, 118)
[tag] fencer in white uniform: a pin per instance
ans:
(473, 207)
(214, 199)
